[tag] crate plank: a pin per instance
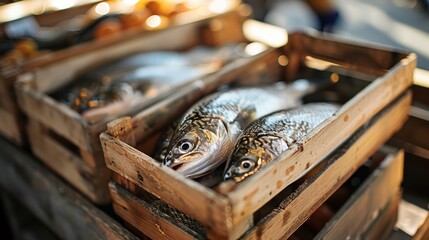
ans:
(66, 212)
(365, 204)
(68, 165)
(155, 227)
(286, 221)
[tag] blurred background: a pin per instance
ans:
(397, 23)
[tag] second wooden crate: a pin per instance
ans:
(68, 143)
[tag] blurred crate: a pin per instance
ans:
(70, 145)
(12, 119)
(12, 126)
(229, 211)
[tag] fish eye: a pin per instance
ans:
(185, 146)
(246, 165)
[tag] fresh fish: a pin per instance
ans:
(206, 134)
(268, 137)
(111, 88)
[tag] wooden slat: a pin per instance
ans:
(246, 198)
(137, 213)
(10, 126)
(64, 121)
(90, 181)
(365, 57)
(295, 211)
(66, 212)
(202, 204)
(367, 202)
(157, 116)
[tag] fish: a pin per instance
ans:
(265, 139)
(207, 132)
(110, 89)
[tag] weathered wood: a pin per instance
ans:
(90, 181)
(122, 129)
(321, 140)
(62, 209)
(205, 205)
(354, 217)
(139, 214)
(60, 118)
(296, 210)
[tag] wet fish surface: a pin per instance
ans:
(206, 134)
(113, 87)
(271, 135)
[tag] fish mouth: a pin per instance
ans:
(178, 166)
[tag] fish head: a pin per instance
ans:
(198, 147)
(250, 155)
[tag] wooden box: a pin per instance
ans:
(70, 145)
(229, 211)
(413, 137)
(13, 120)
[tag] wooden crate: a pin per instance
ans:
(228, 211)
(13, 121)
(70, 145)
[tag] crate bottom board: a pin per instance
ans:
(91, 181)
(335, 173)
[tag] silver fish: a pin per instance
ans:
(121, 84)
(207, 132)
(268, 137)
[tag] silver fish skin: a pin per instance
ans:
(268, 137)
(207, 132)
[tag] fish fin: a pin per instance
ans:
(244, 118)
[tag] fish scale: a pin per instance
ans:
(268, 137)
